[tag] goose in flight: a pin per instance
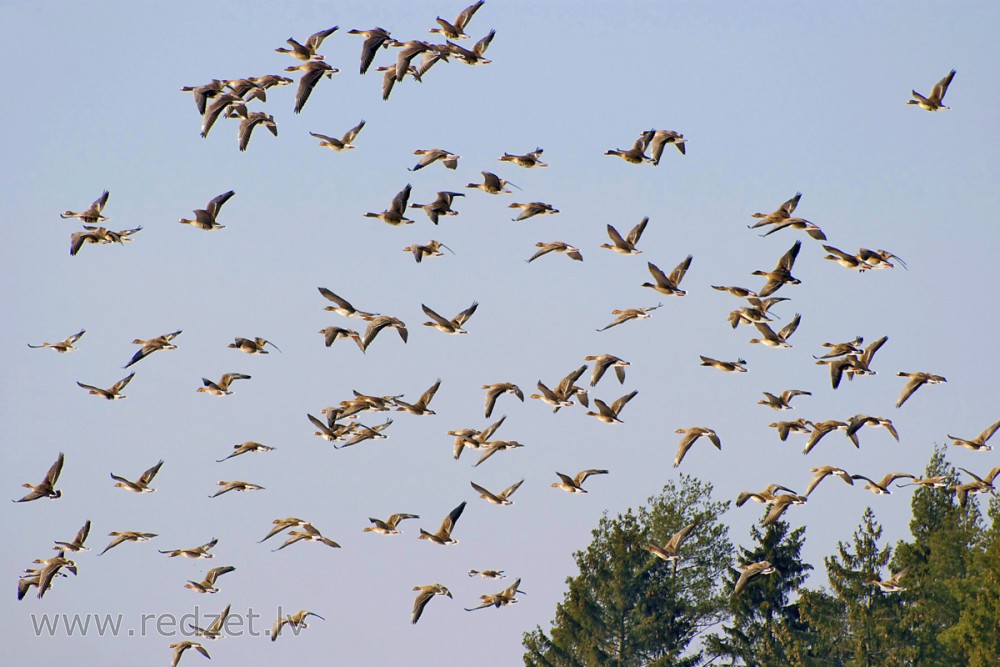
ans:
(501, 498)
(180, 647)
(62, 346)
(312, 72)
(45, 488)
(609, 414)
(794, 426)
(628, 314)
(443, 535)
(751, 570)
(778, 339)
(669, 551)
(306, 52)
(141, 485)
(206, 218)
(602, 362)
(77, 543)
(431, 249)
(376, 324)
(473, 56)
(669, 285)
(881, 488)
(245, 447)
(858, 421)
(532, 209)
(374, 38)
(492, 184)
(626, 246)
(655, 140)
(420, 407)
(575, 484)
(396, 213)
(738, 366)
(297, 621)
(780, 504)
(204, 93)
(126, 536)
(309, 533)
(343, 306)
(528, 160)
(93, 214)
(164, 342)
(221, 388)
(800, 224)
(782, 272)
(494, 391)
(916, 381)
(783, 212)
(820, 429)
(431, 155)
(113, 393)
(501, 599)
(215, 630)
(634, 155)
(388, 527)
(891, 585)
(207, 585)
(342, 144)
(236, 485)
(281, 525)
(195, 552)
(977, 444)
(690, 436)
(456, 29)
(493, 446)
(783, 401)
(452, 326)
(556, 246)
(823, 472)
(768, 495)
(934, 101)
(440, 206)
(332, 334)
(252, 345)
(426, 593)
(488, 574)
(252, 120)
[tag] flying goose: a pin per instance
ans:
(98, 235)
(207, 585)
(420, 407)
(111, 394)
(858, 421)
(782, 272)
(374, 38)
(502, 498)
(738, 366)
(934, 101)
(846, 260)
(45, 488)
(93, 214)
(575, 484)
(473, 56)
(236, 485)
(342, 144)
(126, 536)
(978, 444)
(532, 209)
(361, 433)
(492, 184)
(841, 349)
(609, 415)
(800, 224)
(783, 212)
(488, 574)
(493, 446)
(628, 314)
(252, 120)
(396, 213)
(739, 292)
(307, 51)
(795, 426)
(221, 388)
(474, 438)
(164, 342)
(388, 527)
(916, 381)
(494, 391)
(879, 259)
(751, 570)
(252, 345)
(823, 472)
(452, 326)
(690, 436)
(501, 599)
(63, 345)
(426, 592)
(180, 647)
(281, 525)
(204, 93)
(779, 339)
(141, 485)
(222, 102)
(343, 306)
(195, 552)
(312, 72)
(935, 482)
(669, 551)
(77, 543)
(882, 488)
(309, 533)
(891, 585)
(332, 334)
(456, 30)
(331, 431)
(431, 155)
(602, 363)
(407, 52)
(626, 246)
(296, 621)
(206, 218)
(783, 401)
(655, 140)
(669, 285)
(820, 429)
(768, 495)
(245, 447)
(440, 206)
(528, 160)
(215, 630)
(634, 155)
(443, 535)
(781, 503)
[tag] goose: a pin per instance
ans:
(841, 349)
(433, 55)
(669, 551)
(602, 362)
(443, 535)
(207, 585)
(77, 543)
(935, 482)
(751, 570)
(332, 334)
(222, 102)
(452, 326)
(113, 393)
(551, 397)
(891, 585)
(492, 184)
(609, 415)
(342, 144)
(389, 78)
(126, 536)
(494, 391)
(93, 214)
(858, 421)
(934, 101)
(343, 306)
(822, 472)
(215, 630)
(473, 438)
(879, 259)
(206, 218)
(180, 647)
(62, 346)
(45, 488)
(431, 155)
(164, 342)
(361, 433)
(247, 90)
(528, 160)
(488, 574)
(388, 527)
(778, 339)
(501, 599)
(98, 235)
(781, 503)
(882, 488)
(307, 51)
(331, 431)
(690, 436)
(783, 401)
(795, 426)
(655, 140)
(407, 52)
(502, 498)
(43, 577)
(846, 260)
(252, 120)
(252, 345)
(312, 72)
(440, 206)
(245, 447)
(916, 381)
(628, 314)
(374, 38)
(281, 525)
(783, 212)
(235, 485)
(426, 592)
(739, 292)
(395, 214)
(756, 312)
(797, 223)
(309, 533)
(141, 485)
(493, 446)
(983, 484)
(473, 56)
(431, 249)
(532, 209)
(296, 621)
(634, 155)
(626, 246)
(977, 444)
(456, 29)
(556, 246)
(782, 273)
(738, 366)
(420, 407)
(669, 285)
(221, 388)
(768, 495)
(575, 484)
(203, 93)
(820, 429)
(195, 552)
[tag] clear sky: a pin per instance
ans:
(774, 98)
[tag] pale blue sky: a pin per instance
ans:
(773, 98)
